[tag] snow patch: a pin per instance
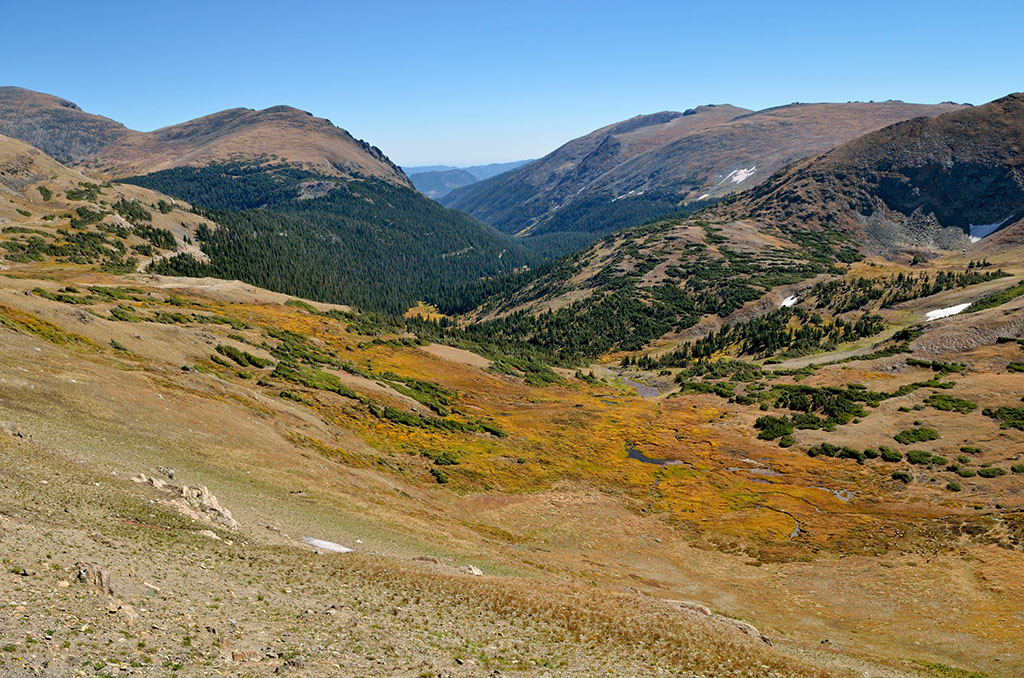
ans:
(634, 192)
(741, 175)
(945, 312)
(790, 301)
(979, 231)
(704, 197)
(326, 545)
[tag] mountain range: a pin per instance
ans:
(914, 189)
(651, 165)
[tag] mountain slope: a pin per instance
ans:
(366, 242)
(65, 218)
(56, 126)
(515, 201)
(302, 207)
(278, 134)
(928, 183)
(649, 166)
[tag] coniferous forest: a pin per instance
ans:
(363, 242)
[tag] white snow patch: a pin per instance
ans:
(741, 175)
(704, 197)
(326, 545)
(626, 195)
(979, 231)
(945, 312)
(790, 301)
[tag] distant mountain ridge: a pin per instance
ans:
(277, 134)
(664, 161)
(436, 181)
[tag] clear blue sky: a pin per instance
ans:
(472, 82)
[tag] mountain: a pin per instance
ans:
(299, 205)
(930, 183)
(437, 181)
(920, 187)
(57, 126)
(652, 165)
(280, 134)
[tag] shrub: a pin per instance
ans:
(970, 450)
(918, 457)
(953, 487)
(824, 450)
(991, 472)
(966, 472)
(850, 453)
(939, 461)
(916, 435)
(787, 441)
(45, 192)
(773, 427)
(446, 458)
(947, 403)
(1017, 468)
(1008, 417)
(902, 476)
(440, 476)
(891, 455)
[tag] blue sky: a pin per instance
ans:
(465, 83)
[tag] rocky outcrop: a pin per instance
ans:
(196, 502)
(95, 577)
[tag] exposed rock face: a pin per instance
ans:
(741, 626)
